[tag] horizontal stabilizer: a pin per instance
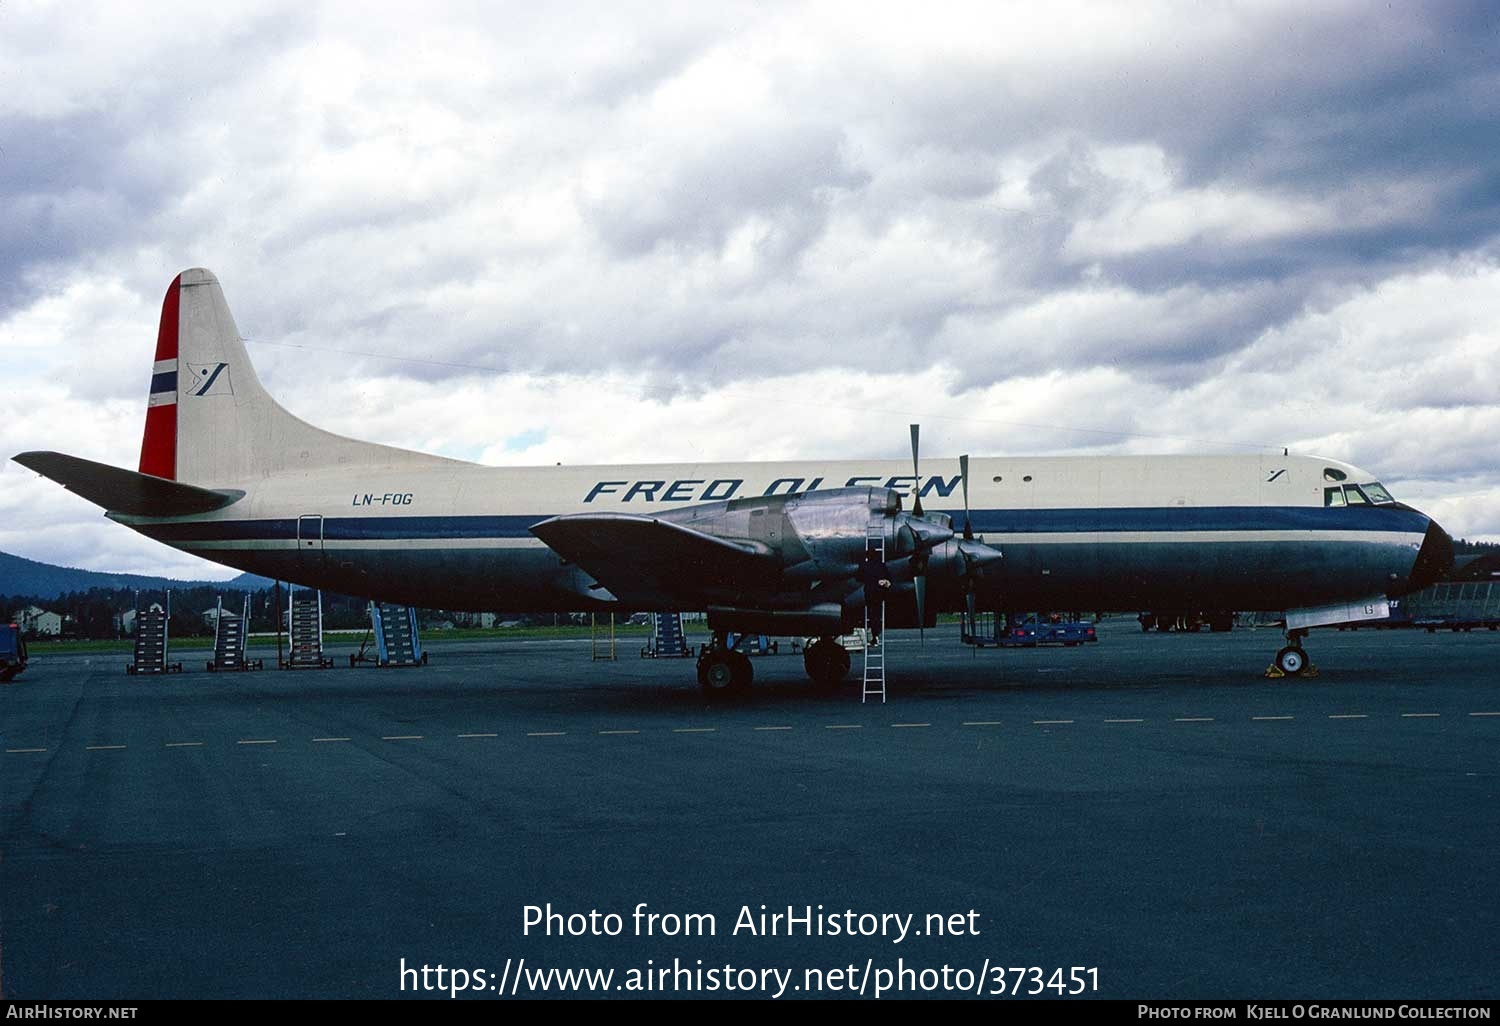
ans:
(625, 551)
(125, 491)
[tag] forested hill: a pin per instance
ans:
(21, 576)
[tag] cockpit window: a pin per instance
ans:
(1333, 496)
(1354, 496)
(1334, 474)
(1377, 493)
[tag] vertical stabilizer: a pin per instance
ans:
(208, 420)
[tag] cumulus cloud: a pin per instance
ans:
(602, 232)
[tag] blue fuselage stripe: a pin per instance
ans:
(991, 522)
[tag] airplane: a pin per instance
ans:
(228, 474)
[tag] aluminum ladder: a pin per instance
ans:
(151, 652)
(305, 630)
(230, 633)
(874, 669)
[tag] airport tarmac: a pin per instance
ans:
(1149, 807)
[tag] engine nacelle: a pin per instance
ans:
(818, 535)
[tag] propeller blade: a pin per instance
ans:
(920, 583)
(963, 473)
(916, 430)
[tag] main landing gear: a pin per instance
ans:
(1292, 661)
(827, 662)
(724, 671)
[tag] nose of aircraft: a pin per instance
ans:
(1434, 558)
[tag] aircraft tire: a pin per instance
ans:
(1291, 660)
(826, 662)
(717, 675)
(742, 672)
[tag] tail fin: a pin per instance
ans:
(208, 420)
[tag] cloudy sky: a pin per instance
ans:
(534, 233)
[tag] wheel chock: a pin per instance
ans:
(1311, 671)
(1273, 672)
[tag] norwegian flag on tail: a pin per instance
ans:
(159, 443)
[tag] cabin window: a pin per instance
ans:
(1334, 474)
(1333, 496)
(1354, 496)
(1377, 493)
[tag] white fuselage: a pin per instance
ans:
(1116, 532)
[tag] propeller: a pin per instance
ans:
(919, 581)
(916, 430)
(963, 476)
(970, 601)
(975, 554)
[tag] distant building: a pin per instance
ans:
(483, 620)
(126, 620)
(38, 622)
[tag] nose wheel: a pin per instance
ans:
(1292, 661)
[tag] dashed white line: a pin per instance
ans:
(775, 727)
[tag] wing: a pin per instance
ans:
(629, 553)
(125, 491)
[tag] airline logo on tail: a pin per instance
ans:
(209, 379)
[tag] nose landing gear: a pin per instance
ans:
(1292, 661)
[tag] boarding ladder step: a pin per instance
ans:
(396, 640)
(151, 653)
(874, 655)
(231, 630)
(668, 635)
(305, 628)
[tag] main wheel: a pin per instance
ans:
(1291, 660)
(722, 673)
(826, 662)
